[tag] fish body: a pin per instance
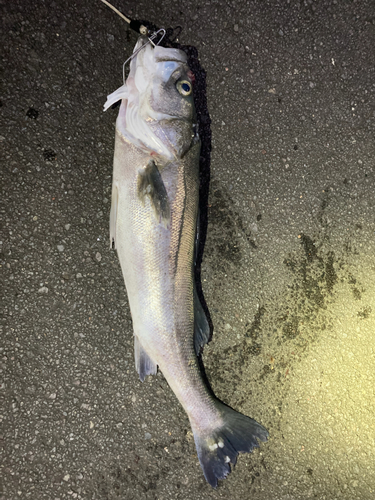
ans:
(153, 226)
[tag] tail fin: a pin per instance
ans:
(219, 447)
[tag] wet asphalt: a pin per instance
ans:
(288, 271)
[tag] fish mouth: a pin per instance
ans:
(160, 117)
(171, 58)
(161, 54)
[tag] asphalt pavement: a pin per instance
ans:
(288, 270)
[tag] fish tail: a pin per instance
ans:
(219, 447)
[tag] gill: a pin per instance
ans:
(139, 27)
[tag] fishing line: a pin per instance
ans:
(127, 19)
(139, 27)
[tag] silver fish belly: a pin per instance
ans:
(153, 227)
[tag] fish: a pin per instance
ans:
(153, 227)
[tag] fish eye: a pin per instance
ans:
(184, 87)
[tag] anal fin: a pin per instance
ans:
(143, 363)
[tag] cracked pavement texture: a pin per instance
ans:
(288, 271)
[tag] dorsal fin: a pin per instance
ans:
(202, 332)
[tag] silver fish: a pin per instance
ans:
(153, 225)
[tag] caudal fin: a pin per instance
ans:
(219, 447)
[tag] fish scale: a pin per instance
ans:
(153, 225)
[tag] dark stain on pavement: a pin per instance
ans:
(299, 318)
(229, 226)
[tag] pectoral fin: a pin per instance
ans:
(151, 185)
(113, 217)
(143, 363)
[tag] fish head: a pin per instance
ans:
(157, 112)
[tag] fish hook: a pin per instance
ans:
(150, 40)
